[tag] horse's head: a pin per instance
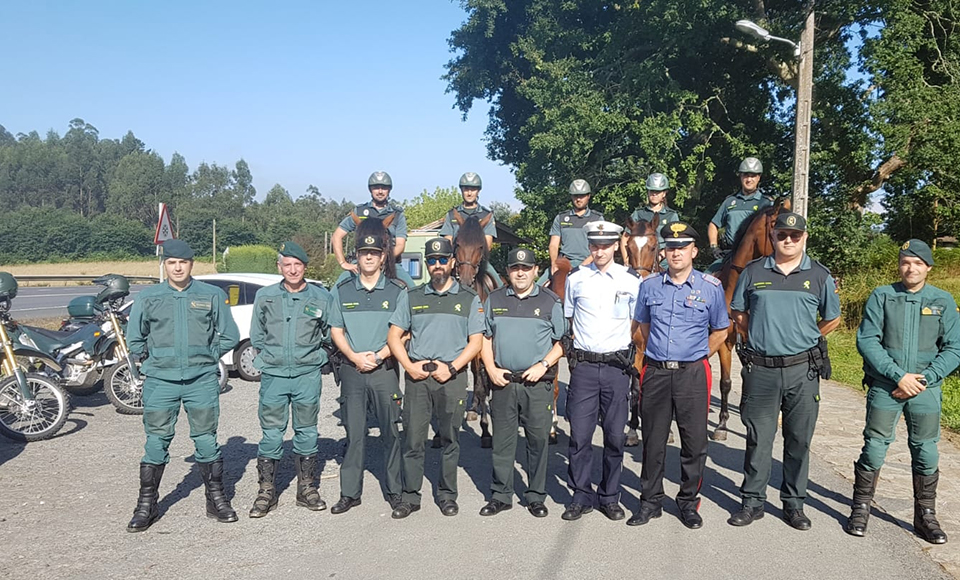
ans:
(357, 219)
(470, 248)
(640, 242)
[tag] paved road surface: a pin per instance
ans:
(66, 501)
(51, 301)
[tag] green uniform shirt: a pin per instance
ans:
(903, 332)
(184, 332)
(668, 215)
(523, 329)
(783, 308)
(451, 227)
(363, 314)
(573, 240)
(397, 229)
(439, 324)
(289, 329)
(735, 210)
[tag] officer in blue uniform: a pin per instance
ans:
(778, 300)
(682, 315)
(600, 300)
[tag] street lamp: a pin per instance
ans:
(804, 52)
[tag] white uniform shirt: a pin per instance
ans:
(602, 306)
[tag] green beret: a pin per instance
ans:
(293, 250)
(176, 249)
(917, 249)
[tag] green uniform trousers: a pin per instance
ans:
(278, 395)
(766, 393)
(161, 406)
(922, 414)
(529, 406)
(424, 399)
(379, 389)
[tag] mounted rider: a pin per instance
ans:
(567, 236)
(657, 186)
(470, 186)
(735, 210)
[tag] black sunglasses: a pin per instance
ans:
(793, 235)
(433, 261)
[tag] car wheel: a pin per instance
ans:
(243, 362)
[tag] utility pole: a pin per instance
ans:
(214, 243)
(801, 157)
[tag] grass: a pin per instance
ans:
(138, 268)
(848, 369)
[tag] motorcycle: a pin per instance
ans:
(33, 407)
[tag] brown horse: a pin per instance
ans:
(558, 285)
(639, 249)
(470, 250)
(752, 241)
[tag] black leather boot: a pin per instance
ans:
(925, 522)
(218, 506)
(267, 496)
(308, 494)
(864, 486)
(147, 511)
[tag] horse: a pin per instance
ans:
(640, 251)
(471, 253)
(558, 285)
(752, 241)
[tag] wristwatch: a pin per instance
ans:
(453, 369)
(545, 364)
(377, 359)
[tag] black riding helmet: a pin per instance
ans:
(117, 286)
(8, 286)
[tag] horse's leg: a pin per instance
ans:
(553, 424)
(633, 439)
(726, 350)
(481, 394)
(474, 410)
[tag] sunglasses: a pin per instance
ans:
(794, 235)
(433, 261)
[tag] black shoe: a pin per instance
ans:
(267, 496)
(308, 492)
(538, 510)
(746, 516)
(575, 510)
(647, 512)
(404, 509)
(493, 507)
(691, 518)
(344, 505)
(613, 511)
(394, 499)
(448, 507)
(925, 522)
(218, 506)
(147, 511)
(796, 519)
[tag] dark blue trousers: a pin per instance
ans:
(597, 392)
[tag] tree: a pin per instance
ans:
(176, 179)
(429, 207)
(135, 190)
(243, 183)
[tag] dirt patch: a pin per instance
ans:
(140, 268)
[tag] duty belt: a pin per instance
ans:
(776, 362)
(388, 363)
(673, 364)
(597, 357)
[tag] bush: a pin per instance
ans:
(119, 237)
(327, 270)
(253, 259)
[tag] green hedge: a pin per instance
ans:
(252, 259)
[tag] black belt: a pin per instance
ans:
(388, 363)
(600, 357)
(777, 362)
(673, 364)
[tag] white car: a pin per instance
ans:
(241, 290)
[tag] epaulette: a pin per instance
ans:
(652, 275)
(574, 271)
(550, 293)
(711, 279)
(398, 282)
(349, 278)
(633, 272)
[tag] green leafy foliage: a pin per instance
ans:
(429, 207)
(252, 259)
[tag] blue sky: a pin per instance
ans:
(318, 92)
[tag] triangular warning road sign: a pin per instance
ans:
(164, 229)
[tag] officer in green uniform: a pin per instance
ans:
(735, 210)
(910, 341)
(360, 316)
(446, 327)
(524, 324)
(657, 186)
(777, 300)
(380, 185)
(470, 185)
(567, 237)
(185, 326)
(288, 328)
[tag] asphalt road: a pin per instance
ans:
(51, 301)
(66, 503)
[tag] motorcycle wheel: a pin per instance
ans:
(35, 422)
(123, 391)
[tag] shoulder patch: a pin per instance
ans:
(711, 279)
